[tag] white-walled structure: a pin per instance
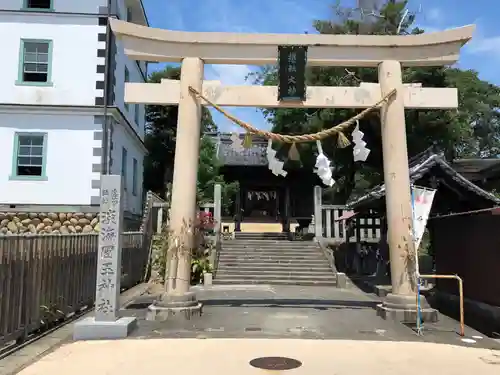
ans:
(56, 54)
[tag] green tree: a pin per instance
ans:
(161, 128)
(160, 141)
(472, 130)
(209, 175)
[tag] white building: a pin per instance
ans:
(52, 83)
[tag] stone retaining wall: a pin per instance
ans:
(45, 223)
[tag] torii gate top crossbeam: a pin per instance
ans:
(151, 44)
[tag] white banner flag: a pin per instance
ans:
(422, 204)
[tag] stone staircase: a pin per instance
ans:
(270, 258)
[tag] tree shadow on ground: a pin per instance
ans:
(320, 304)
(317, 304)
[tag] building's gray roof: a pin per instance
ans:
(253, 156)
(420, 165)
(477, 169)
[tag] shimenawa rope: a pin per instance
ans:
(338, 129)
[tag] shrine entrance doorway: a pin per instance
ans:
(260, 205)
(260, 210)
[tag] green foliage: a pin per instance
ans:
(161, 128)
(472, 130)
(209, 175)
(160, 141)
(200, 264)
(159, 256)
(200, 255)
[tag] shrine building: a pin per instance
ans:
(266, 202)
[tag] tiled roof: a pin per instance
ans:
(473, 165)
(420, 165)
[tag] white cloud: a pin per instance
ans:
(488, 45)
(230, 75)
(435, 15)
(481, 44)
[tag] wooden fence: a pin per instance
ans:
(45, 279)
(332, 228)
(325, 219)
(160, 213)
(326, 223)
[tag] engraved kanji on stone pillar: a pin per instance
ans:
(109, 250)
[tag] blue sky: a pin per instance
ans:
(296, 16)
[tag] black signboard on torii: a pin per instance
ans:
(292, 62)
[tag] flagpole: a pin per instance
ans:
(417, 273)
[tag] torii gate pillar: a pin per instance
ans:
(401, 303)
(177, 299)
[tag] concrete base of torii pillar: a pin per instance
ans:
(178, 301)
(184, 306)
(403, 308)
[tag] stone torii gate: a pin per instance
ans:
(388, 53)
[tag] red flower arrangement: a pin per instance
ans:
(205, 221)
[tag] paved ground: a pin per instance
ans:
(339, 333)
(232, 356)
(298, 312)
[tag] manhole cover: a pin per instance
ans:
(275, 363)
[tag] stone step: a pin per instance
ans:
(267, 240)
(267, 258)
(287, 253)
(274, 268)
(237, 281)
(250, 276)
(270, 247)
(279, 263)
(261, 234)
(277, 236)
(264, 258)
(291, 252)
(266, 245)
(270, 258)
(283, 272)
(261, 239)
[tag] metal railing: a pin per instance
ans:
(45, 279)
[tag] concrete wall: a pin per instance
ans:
(76, 54)
(69, 158)
(87, 6)
(77, 80)
(135, 76)
(74, 58)
(81, 7)
(122, 139)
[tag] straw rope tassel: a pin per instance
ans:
(293, 153)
